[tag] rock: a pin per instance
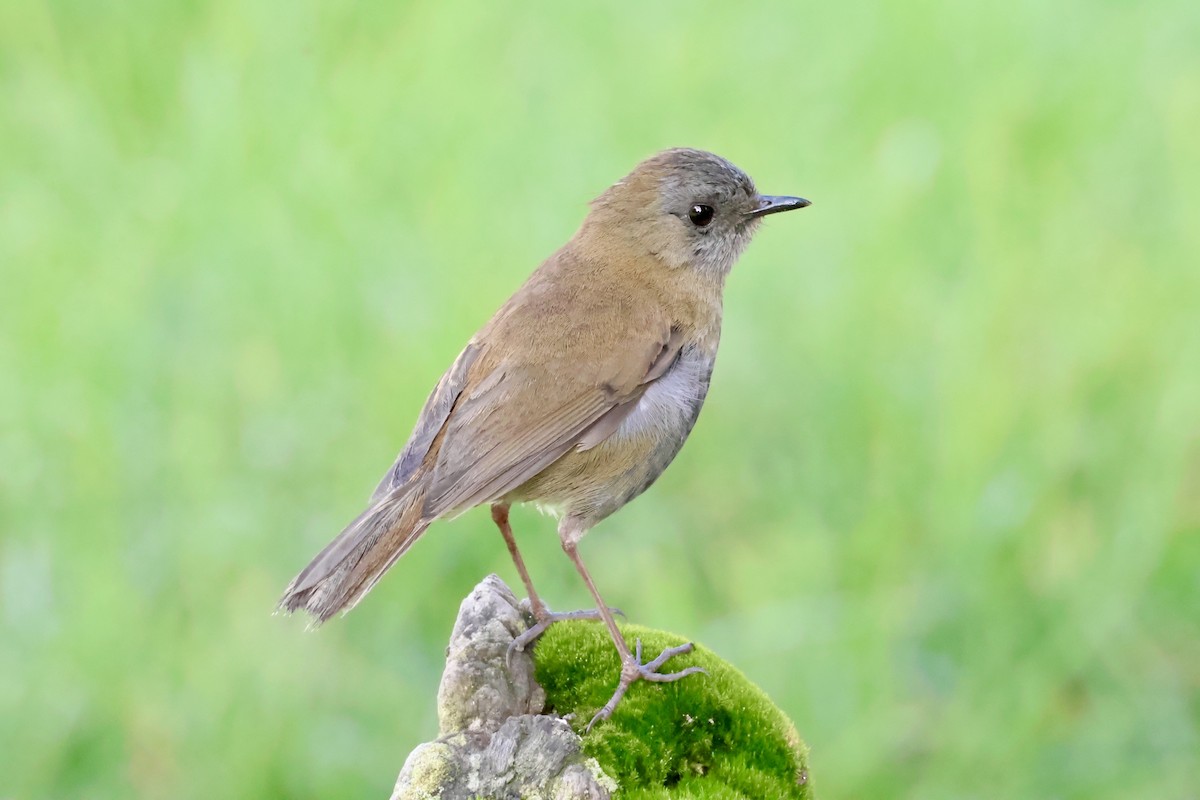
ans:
(494, 741)
(479, 690)
(714, 734)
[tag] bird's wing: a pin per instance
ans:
(523, 406)
(431, 420)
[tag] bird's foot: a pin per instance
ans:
(633, 670)
(544, 618)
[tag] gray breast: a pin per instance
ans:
(666, 414)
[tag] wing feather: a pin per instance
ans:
(557, 367)
(430, 422)
(509, 448)
(499, 438)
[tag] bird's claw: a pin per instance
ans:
(634, 670)
(544, 621)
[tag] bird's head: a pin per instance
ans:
(688, 208)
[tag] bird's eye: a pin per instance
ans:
(700, 215)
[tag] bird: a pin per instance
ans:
(575, 396)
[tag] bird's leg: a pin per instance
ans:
(500, 517)
(542, 616)
(632, 667)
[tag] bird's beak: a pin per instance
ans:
(771, 204)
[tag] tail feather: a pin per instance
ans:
(352, 563)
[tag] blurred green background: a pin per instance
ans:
(943, 503)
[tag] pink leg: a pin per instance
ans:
(543, 617)
(632, 668)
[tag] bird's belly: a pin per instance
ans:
(596, 482)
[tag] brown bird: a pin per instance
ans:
(576, 395)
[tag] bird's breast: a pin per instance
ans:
(670, 405)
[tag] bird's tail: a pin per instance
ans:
(349, 566)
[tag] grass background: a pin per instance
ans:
(943, 503)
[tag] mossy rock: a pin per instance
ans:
(705, 736)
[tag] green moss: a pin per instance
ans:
(714, 736)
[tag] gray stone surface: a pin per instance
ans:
(493, 741)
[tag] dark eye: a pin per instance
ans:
(700, 215)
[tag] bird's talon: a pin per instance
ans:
(540, 624)
(634, 670)
(664, 656)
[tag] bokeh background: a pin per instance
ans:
(943, 503)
